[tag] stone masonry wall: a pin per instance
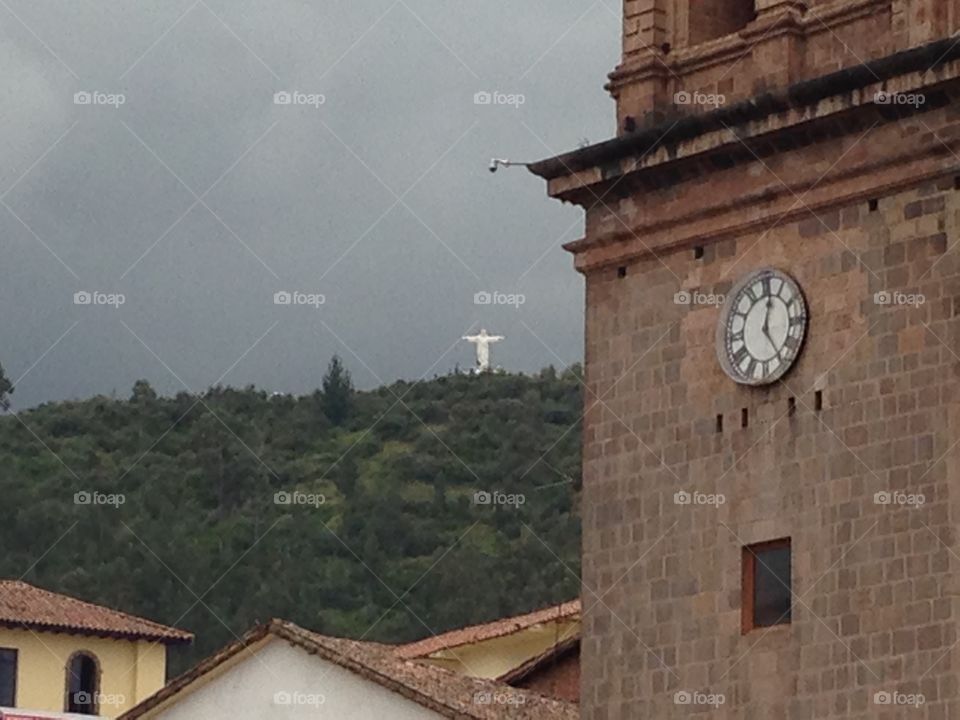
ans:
(875, 585)
(702, 52)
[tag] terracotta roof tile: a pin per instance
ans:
(488, 631)
(25, 606)
(447, 693)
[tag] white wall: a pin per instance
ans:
(256, 688)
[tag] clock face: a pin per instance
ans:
(762, 327)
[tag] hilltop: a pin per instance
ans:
(387, 514)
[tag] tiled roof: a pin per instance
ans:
(446, 693)
(488, 631)
(542, 661)
(25, 606)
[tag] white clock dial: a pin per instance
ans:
(762, 327)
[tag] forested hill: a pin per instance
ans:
(350, 513)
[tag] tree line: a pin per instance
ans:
(383, 514)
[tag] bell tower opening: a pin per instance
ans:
(712, 19)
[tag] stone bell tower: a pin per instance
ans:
(772, 437)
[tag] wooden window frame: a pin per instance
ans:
(16, 671)
(749, 578)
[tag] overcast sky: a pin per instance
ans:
(186, 187)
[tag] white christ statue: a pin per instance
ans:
(483, 342)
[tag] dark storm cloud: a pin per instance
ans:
(196, 197)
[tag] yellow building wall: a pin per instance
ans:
(492, 658)
(130, 671)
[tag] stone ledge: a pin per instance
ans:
(680, 136)
(668, 206)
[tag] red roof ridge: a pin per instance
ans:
(488, 631)
(29, 606)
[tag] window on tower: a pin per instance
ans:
(711, 19)
(767, 584)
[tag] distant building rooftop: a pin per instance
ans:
(25, 606)
(446, 693)
(488, 631)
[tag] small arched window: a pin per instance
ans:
(83, 684)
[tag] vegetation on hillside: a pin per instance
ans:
(6, 388)
(386, 515)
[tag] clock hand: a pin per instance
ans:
(766, 324)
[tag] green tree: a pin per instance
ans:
(337, 398)
(142, 392)
(6, 390)
(282, 513)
